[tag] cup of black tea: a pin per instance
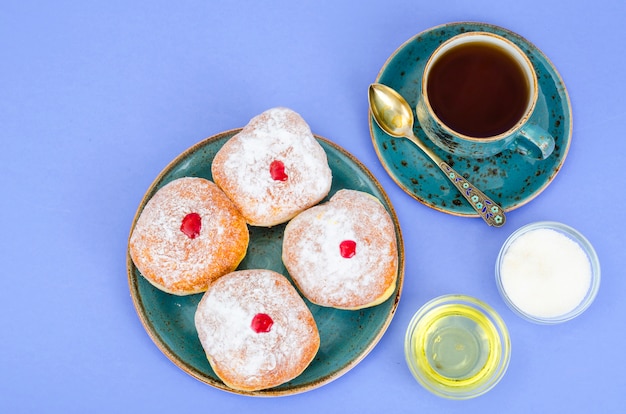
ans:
(478, 93)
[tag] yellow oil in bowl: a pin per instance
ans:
(457, 347)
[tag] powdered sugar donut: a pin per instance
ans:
(273, 168)
(188, 234)
(343, 253)
(256, 330)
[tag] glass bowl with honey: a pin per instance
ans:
(457, 347)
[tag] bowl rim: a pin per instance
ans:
(573, 235)
(503, 336)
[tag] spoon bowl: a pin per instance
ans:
(392, 113)
(394, 116)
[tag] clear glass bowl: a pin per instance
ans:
(548, 317)
(457, 347)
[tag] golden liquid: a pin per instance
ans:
(456, 346)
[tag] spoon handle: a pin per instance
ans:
(491, 212)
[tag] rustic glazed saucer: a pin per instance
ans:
(509, 178)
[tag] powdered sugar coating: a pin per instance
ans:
(242, 358)
(242, 168)
(170, 259)
(312, 255)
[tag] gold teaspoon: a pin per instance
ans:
(393, 115)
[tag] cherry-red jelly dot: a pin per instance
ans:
(347, 248)
(262, 322)
(277, 171)
(191, 225)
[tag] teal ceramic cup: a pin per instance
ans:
(478, 93)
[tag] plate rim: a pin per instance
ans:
(562, 93)
(138, 303)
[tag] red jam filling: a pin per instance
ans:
(347, 248)
(277, 171)
(191, 225)
(261, 322)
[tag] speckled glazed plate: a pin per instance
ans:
(509, 178)
(346, 336)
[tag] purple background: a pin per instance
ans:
(97, 97)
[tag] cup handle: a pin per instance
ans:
(534, 141)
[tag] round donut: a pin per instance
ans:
(273, 168)
(256, 330)
(188, 234)
(343, 253)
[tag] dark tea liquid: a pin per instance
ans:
(478, 89)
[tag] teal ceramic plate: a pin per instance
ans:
(509, 178)
(346, 336)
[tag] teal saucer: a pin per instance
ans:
(346, 336)
(508, 178)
